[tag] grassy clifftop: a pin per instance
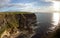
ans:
(15, 12)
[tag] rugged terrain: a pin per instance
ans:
(14, 24)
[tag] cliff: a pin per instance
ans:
(13, 25)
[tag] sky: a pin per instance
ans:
(27, 5)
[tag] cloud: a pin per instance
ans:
(56, 0)
(50, 0)
(30, 7)
(3, 3)
(6, 3)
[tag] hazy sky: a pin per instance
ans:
(26, 5)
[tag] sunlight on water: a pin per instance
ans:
(55, 20)
(55, 17)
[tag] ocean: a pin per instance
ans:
(47, 22)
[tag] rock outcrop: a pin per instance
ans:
(15, 25)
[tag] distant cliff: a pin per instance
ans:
(13, 25)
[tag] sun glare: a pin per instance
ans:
(56, 5)
(55, 18)
(56, 15)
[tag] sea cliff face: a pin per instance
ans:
(17, 25)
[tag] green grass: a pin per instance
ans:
(15, 13)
